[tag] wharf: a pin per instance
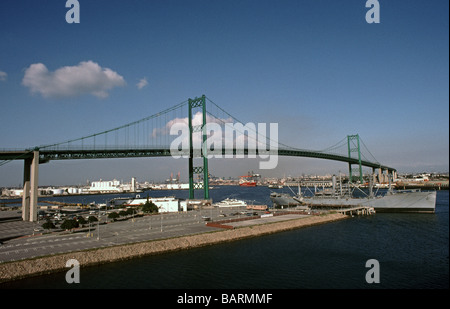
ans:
(348, 210)
(358, 210)
(424, 185)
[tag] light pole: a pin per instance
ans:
(98, 223)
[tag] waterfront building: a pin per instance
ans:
(105, 187)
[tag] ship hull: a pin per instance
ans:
(283, 199)
(413, 202)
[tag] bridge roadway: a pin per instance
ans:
(46, 155)
(117, 233)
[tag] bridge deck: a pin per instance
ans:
(46, 155)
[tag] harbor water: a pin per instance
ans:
(412, 251)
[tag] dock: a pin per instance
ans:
(349, 210)
(357, 210)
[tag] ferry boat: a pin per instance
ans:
(230, 203)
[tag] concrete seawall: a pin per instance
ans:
(56, 263)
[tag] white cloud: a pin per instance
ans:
(70, 81)
(3, 76)
(142, 83)
(197, 120)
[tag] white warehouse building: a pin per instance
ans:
(105, 186)
(164, 204)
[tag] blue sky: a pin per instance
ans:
(315, 67)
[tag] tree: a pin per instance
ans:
(92, 219)
(81, 220)
(123, 213)
(48, 225)
(131, 211)
(149, 207)
(69, 224)
(113, 215)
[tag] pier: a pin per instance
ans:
(347, 209)
(358, 210)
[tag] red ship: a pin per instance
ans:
(247, 181)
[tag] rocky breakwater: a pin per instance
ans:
(45, 265)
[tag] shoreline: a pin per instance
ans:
(10, 271)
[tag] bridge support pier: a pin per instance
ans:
(394, 175)
(380, 176)
(30, 188)
(26, 190)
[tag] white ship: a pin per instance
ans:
(230, 203)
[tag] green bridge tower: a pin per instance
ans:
(195, 103)
(354, 148)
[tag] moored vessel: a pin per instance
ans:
(249, 180)
(416, 201)
(230, 203)
(395, 201)
(245, 182)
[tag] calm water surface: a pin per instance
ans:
(412, 250)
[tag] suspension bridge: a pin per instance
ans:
(152, 137)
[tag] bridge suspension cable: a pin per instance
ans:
(341, 145)
(133, 134)
(258, 136)
(372, 157)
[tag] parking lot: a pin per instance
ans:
(22, 240)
